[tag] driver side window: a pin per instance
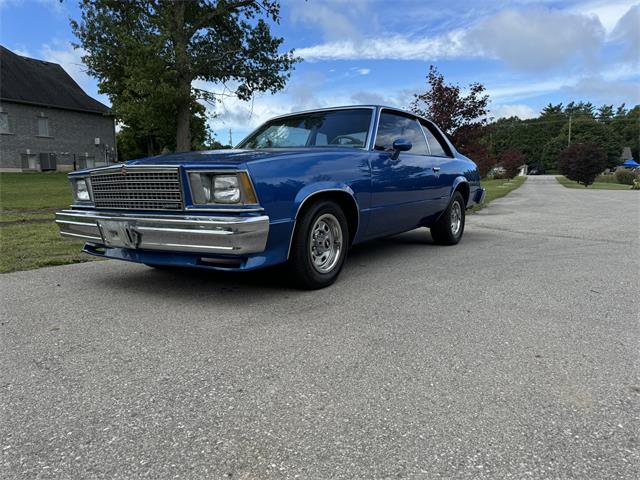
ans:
(393, 126)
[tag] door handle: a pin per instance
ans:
(436, 169)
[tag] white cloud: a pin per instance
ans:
(527, 39)
(617, 84)
(300, 94)
(627, 33)
(394, 47)
(536, 39)
(364, 71)
(515, 110)
(608, 12)
(336, 19)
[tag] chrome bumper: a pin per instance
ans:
(231, 235)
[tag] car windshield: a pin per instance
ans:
(334, 128)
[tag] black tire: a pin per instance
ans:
(443, 231)
(305, 272)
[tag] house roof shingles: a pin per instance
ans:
(27, 80)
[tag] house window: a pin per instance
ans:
(4, 122)
(43, 127)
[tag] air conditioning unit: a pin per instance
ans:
(96, 141)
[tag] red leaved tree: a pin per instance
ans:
(462, 117)
(511, 161)
(582, 162)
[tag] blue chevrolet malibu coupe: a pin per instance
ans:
(301, 189)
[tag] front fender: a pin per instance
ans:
(308, 191)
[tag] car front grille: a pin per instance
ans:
(137, 188)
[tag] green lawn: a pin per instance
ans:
(499, 188)
(594, 186)
(29, 237)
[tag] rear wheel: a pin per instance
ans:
(319, 245)
(449, 228)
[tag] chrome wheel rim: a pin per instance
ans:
(456, 218)
(325, 243)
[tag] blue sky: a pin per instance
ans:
(527, 53)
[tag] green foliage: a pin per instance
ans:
(585, 130)
(146, 55)
(134, 142)
(626, 123)
(636, 185)
(582, 163)
(542, 139)
(608, 178)
(626, 177)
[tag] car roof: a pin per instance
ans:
(347, 107)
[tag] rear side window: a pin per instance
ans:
(393, 126)
(436, 144)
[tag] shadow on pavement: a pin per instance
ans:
(167, 280)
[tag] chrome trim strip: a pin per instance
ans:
(164, 218)
(225, 210)
(69, 222)
(77, 235)
(184, 230)
(295, 221)
(181, 245)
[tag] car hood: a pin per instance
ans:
(233, 158)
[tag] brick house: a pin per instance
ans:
(47, 122)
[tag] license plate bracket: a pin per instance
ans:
(119, 234)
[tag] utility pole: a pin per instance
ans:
(569, 142)
(230, 138)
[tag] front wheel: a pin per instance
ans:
(319, 245)
(450, 226)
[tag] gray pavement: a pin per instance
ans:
(512, 355)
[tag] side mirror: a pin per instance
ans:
(400, 145)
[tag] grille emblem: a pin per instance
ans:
(123, 170)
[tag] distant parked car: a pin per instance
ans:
(301, 188)
(536, 170)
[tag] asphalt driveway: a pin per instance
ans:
(515, 354)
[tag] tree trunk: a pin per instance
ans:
(183, 131)
(183, 97)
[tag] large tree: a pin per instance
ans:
(582, 162)
(462, 117)
(584, 130)
(147, 54)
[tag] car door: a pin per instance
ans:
(402, 190)
(442, 161)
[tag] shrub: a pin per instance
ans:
(582, 162)
(626, 177)
(607, 178)
(511, 160)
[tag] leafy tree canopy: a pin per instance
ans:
(582, 162)
(146, 54)
(462, 117)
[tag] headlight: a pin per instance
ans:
(226, 189)
(81, 190)
(216, 188)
